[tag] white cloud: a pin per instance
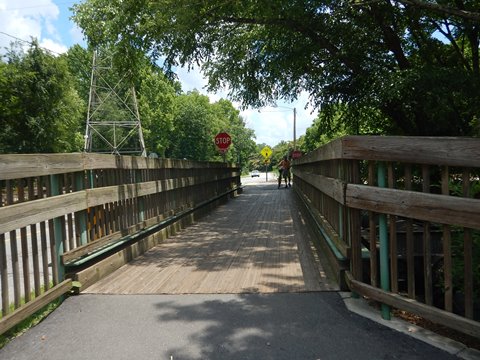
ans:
(271, 124)
(26, 19)
(53, 46)
(275, 124)
(76, 35)
(191, 80)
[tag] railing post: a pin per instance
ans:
(384, 251)
(141, 200)
(341, 208)
(354, 226)
(82, 215)
(58, 235)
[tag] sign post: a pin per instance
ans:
(266, 153)
(223, 141)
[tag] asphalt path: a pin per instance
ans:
(247, 326)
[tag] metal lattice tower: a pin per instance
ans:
(113, 120)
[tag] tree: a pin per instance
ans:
(193, 132)
(156, 105)
(196, 122)
(256, 160)
(415, 63)
(40, 109)
(229, 120)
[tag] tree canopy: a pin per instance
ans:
(414, 62)
(40, 109)
(43, 108)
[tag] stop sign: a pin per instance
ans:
(223, 141)
(296, 154)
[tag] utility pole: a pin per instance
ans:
(294, 129)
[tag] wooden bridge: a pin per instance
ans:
(395, 219)
(246, 246)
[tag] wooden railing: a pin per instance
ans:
(62, 213)
(399, 218)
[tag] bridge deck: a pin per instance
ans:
(254, 243)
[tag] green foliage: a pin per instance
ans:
(156, 103)
(456, 188)
(193, 128)
(229, 120)
(40, 110)
(29, 322)
(382, 62)
(196, 122)
(256, 159)
(79, 61)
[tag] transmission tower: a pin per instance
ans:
(113, 121)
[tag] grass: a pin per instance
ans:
(28, 323)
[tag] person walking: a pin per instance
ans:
(284, 170)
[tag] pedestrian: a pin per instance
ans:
(284, 170)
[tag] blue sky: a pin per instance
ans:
(48, 21)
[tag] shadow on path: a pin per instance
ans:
(245, 326)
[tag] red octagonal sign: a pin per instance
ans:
(223, 141)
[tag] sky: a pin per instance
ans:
(48, 21)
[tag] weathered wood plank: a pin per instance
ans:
(243, 247)
(25, 252)
(332, 150)
(468, 253)
(429, 207)
(108, 239)
(468, 272)
(34, 243)
(4, 276)
(431, 313)
(392, 226)
(32, 212)
(44, 250)
(16, 166)
(372, 232)
(334, 188)
(410, 239)
(13, 249)
(33, 306)
(414, 150)
(427, 244)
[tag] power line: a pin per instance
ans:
(47, 50)
(29, 42)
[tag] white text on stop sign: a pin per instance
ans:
(222, 140)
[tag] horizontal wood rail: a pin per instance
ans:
(449, 151)
(48, 208)
(17, 166)
(339, 249)
(22, 313)
(435, 315)
(414, 202)
(422, 206)
(72, 209)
